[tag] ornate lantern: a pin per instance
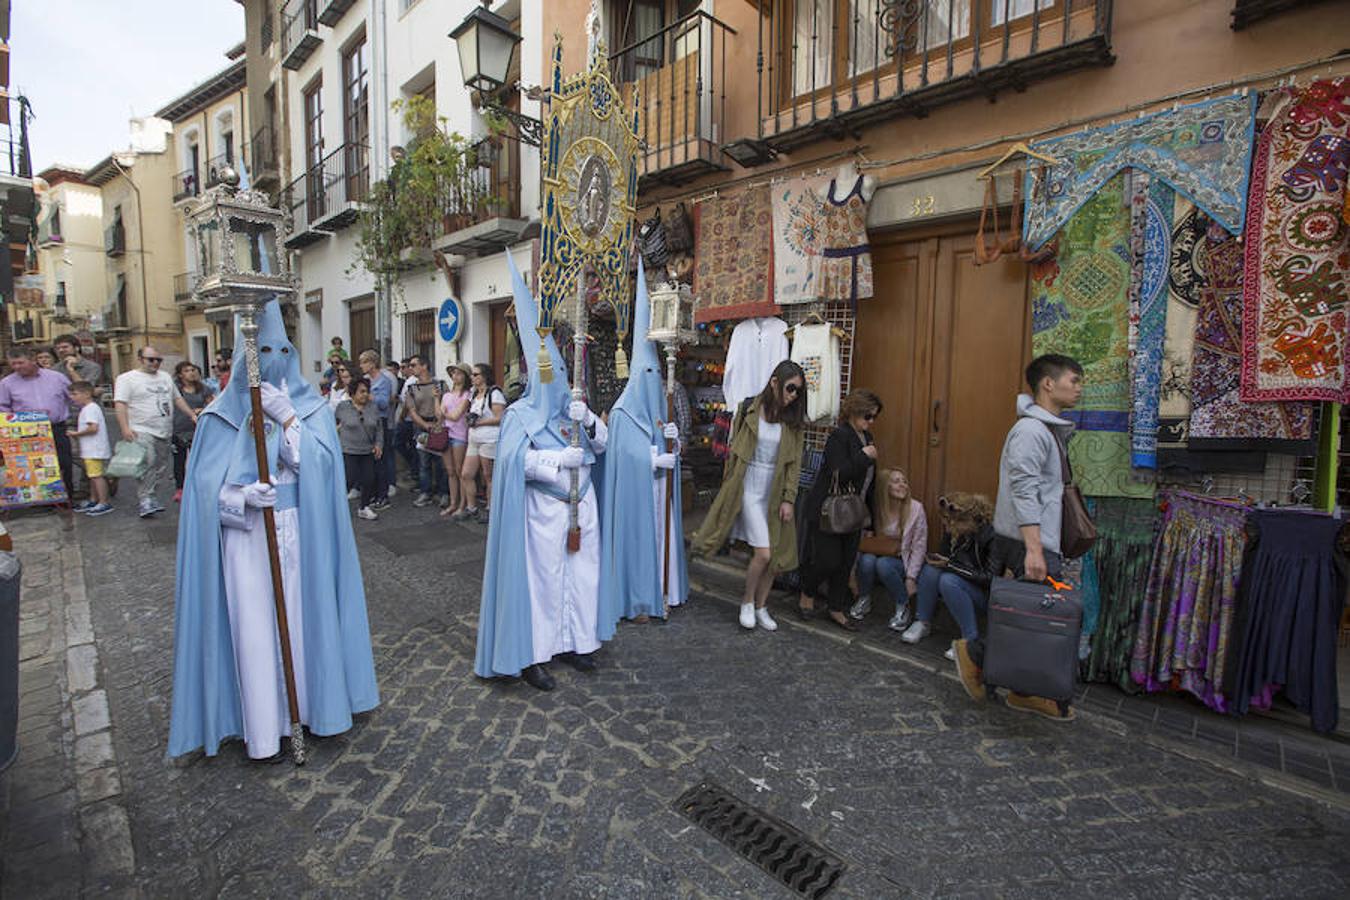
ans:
(236, 235)
(672, 315)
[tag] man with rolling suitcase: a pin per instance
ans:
(1027, 518)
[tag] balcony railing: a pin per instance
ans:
(262, 158)
(184, 284)
(186, 184)
(827, 68)
(680, 75)
(299, 32)
(327, 198)
(482, 212)
(216, 165)
(115, 239)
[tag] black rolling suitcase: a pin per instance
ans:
(1032, 646)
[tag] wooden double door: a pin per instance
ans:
(943, 342)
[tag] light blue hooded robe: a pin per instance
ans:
(630, 558)
(538, 420)
(339, 670)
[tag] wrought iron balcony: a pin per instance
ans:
(332, 11)
(216, 165)
(186, 185)
(482, 213)
(299, 32)
(184, 283)
(827, 68)
(115, 239)
(680, 76)
(328, 197)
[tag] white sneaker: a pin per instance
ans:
(392, 490)
(367, 513)
(916, 632)
(861, 607)
(748, 615)
(353, 494)
(765, 620)
(950, 654)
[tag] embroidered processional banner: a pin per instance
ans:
(1298, 252)
(1203, 151)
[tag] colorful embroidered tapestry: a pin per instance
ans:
(734, 275)
(1079, 306)
(1203, 151)
(1298, 252)
(1186, 276)
(1151, 211)
(800, 222)
(1219, 419)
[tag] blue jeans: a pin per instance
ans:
(431, 478)
(961, 597)
(386, 467)
(891, 571)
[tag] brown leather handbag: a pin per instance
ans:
(842, 512)
(1077, 531)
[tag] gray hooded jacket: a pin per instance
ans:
(1030, 479)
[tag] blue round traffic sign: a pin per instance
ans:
(447, 320)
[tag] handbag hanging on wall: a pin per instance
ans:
(842, 512)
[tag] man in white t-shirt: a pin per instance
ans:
(145, 398)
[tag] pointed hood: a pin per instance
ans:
(643, 397)
(543, 407)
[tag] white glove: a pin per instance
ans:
(671, 432)
(578, 412)
(276, 404)
(260, 495)
(571, 458)
(663, 461)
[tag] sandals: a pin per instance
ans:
(847, 624)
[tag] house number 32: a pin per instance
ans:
(923, 206)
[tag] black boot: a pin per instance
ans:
(536, 676)
(578, 661)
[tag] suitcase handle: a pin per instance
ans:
(1058, 585)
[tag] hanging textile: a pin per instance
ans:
(734, 275)
(757, 346)
(1151, 212)
(1186, 276)
(1119, 562)
(1186, 618)
(816, 349)
(799, 226)
(1298, 252)
(1293, 592)
(1219, 418)
(1079, 308)
(1202, 150)
(845, 260)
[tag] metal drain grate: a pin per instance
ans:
(773, 845)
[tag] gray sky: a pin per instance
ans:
(87, 66)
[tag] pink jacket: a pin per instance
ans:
(914, 540)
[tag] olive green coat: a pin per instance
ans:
(727, 507)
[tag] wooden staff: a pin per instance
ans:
(249, 328)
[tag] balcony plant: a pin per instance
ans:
(404, 212)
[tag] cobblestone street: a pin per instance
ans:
(462, 788)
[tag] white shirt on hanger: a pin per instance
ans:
(757, 347)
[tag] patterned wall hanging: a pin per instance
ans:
(590, 196)
(1294, 326)
(799, 227)
(1203, 151)
(1079, 308)
(733, 277)
(1186, 277)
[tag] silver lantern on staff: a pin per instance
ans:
(236, 234)
(672, 325)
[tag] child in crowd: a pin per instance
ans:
(94, 447)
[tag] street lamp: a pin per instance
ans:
(487, 45)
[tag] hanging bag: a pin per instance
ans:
(129, 460)
(1077, 531)
(652, 242)
(680, 231)
(842, 512)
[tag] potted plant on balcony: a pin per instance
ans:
(404, 213)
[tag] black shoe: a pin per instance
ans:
(536, 676)
(278, 757)
(582, 662)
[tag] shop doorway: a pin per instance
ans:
(943, 342)
(361, 324)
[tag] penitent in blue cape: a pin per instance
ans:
(339, 669)
(631, 538)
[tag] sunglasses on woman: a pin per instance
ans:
(792, 390)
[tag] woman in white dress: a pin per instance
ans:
(759, 489)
